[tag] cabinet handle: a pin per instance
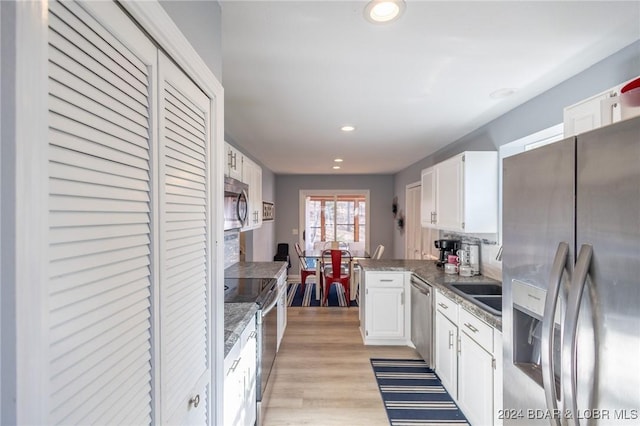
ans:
(442, 305)
(234, 366)
(402, 298)
(195, 401)
(233, 161)
(470, 327)
(459, 346)
(253, 335)
(450, 339)
(230, 160)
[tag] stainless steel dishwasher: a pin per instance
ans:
(422, 318)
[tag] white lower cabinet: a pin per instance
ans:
(468, 355)
(475, 373)
(282, 308)
(240, 380)
(386, 320)
(446, 362)
(446, 347)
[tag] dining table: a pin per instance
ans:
(356, 254)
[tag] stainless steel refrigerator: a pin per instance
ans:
(571, 280)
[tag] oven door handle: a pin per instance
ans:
(272, 303)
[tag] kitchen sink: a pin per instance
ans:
(486, 295)
(493, 302)
(475, 289)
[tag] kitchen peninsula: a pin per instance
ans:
(462, 329)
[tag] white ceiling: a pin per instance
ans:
(294, 72)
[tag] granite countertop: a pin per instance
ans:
(429, 272)
(255, 270)
(238, 315)
(236, 318)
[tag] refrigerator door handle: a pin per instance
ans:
(548, 322)
(569, 338)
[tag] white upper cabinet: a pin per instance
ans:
(252, 176)
(602, 109)
(461, 193)
(233, 162)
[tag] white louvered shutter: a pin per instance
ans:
(185, 247)
(100, 288)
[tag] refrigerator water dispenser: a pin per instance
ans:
(528, 309)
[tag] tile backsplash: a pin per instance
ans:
(231, 248)
(489, 247)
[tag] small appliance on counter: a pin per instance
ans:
(469, 257)
(446, 247)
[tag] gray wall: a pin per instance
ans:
(539, 113)
(288, 201)
(201, 23)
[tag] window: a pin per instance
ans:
(331, 216)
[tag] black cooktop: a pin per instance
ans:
(248, 289)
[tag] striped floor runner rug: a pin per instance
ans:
(413, 394)
(295, 296)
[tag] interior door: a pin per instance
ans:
(185, 247)
(100, 158)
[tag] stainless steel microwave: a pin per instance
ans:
(235, 203)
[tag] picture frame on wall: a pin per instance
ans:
(268, 211)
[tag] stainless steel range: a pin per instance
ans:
(265, 293)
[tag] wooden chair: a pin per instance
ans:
(336, 268)
(307, 267)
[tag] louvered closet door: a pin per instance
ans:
(100, 216)
(185, 251)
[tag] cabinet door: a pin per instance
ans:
(591, 113)
(446, 357)
(449, 194)
(100, 190)
(233, 162)
(233, 387)
(475, 372)
(428, 198)
(185, 244)
(385, 312)
(249, 366)
(257, 196)
(497, 378)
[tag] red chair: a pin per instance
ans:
(336, 269)
(307, 267)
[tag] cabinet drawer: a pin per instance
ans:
(387, 279)
(248, 333)
(232, 359)
(477, 329)
(448, 307)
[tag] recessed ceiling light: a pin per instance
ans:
(383, 11)
(338, 160)
(502, 93)
(347, 128)
(336, 167)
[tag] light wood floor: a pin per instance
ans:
(323, 375)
